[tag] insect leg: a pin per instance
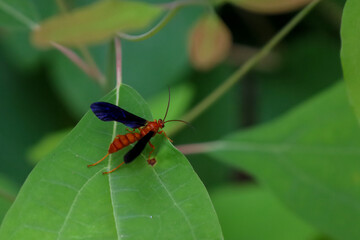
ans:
(98, 161)
(150, 160)
(163, 132)
(153, 148)
(130, 131)
(114, 168)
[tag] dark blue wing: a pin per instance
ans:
(110, 112)
(138, 148)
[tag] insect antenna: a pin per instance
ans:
(187, 123)
(167, 109)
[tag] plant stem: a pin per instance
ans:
(72, 56)
(243, 70)
(195, 148)
(89, 66)
(118, 63)
(18, 15)
(95, 72)
(173, 7)
(152, 31)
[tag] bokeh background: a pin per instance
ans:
(43, 95)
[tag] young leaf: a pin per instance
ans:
(350, 51)
(310, 159)
(270, 6)
(209, 42)
(63, 199)
(95, 23)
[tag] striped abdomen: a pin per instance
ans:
(122, 141)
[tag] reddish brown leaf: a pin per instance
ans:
(209, 42)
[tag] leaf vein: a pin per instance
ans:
(175, 204)
(73, 204)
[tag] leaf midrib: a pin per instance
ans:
(109, 166)
(282, 147)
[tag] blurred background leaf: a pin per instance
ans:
(78, 91)
(209, 42)
(95, 23)
(46, 145)
(309, 158)
(42, 92)
(252, 212)
(310, 60)
(28, 115)
(219, 119)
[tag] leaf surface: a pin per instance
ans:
(63, 199)
(310, 159)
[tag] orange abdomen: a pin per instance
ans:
(122, 141)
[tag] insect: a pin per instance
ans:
(147, 129)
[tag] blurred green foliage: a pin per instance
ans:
(42, 93)
(7, 195)
(309, 159)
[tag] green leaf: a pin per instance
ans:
(310, 159)
(63, 199)
(244, 210)
(96, 22)
(350, 51)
